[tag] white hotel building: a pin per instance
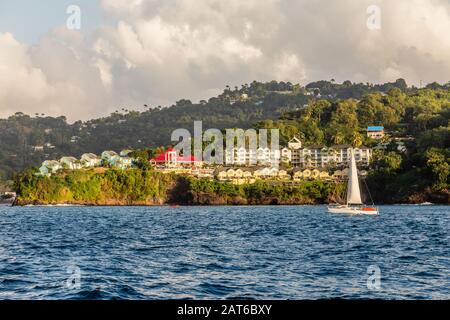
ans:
(315, 156)
(242, 156)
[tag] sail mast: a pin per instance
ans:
(353, 191)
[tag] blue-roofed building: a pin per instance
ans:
(375, 132)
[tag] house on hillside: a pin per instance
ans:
(294, 143)
(49, 167)
(375, 132)
(111, 158)
(266, 172)
(171, 159)
(121, 162)
(90, 160)
(307, 174)
(107, 156)
(290, 153)
(125, 152)
(70, 163)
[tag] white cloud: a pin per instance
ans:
(122, 7)
(58, 77)
(20, 82)
(160, 51)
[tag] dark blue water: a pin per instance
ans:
(223, 253)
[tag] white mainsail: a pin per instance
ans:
(353, 191)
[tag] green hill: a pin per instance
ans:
(20, 133)
(321, 112)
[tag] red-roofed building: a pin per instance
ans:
(170, 158)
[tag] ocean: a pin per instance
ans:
(249, 252)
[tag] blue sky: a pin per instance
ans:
(28, 20)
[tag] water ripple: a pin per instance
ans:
(222, 253)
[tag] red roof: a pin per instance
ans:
(189, 158)
(161, 158)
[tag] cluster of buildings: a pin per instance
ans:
(242, 164)
(250, 175)
(88, 160)
(315, 156)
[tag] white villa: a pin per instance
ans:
(250, 174)
(307, 174)
(70, 163)
(116, 161)
(253, 174)
(107, 155)
(48, 167)
(120, 162)
(90, 160)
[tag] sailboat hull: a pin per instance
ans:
(354, 203)
(353, 210)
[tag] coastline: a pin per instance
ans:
(216, 204)
(237, 203)
(136, 187)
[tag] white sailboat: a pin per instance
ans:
(354, 203)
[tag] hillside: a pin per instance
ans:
(238, 107)
(318, 113)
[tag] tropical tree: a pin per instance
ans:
(357, 139)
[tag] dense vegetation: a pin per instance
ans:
(237, 107)
(323, 112)
(110, 187)
(423, 114)
(418, 119)
(147, 187)
(210, 192)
